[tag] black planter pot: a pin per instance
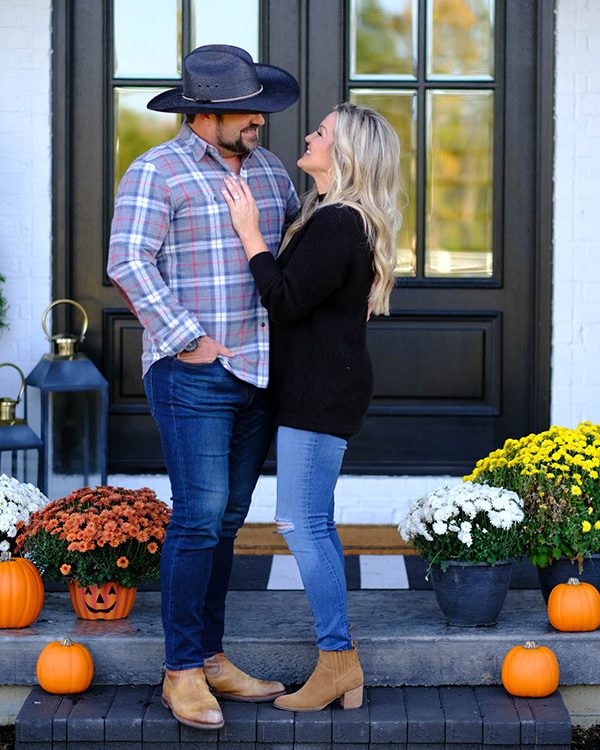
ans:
(471, 594)
(561, 570)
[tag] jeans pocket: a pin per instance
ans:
(196, 365)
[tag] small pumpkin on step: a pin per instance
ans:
(574, 606)
(64, 667)
(530, 671)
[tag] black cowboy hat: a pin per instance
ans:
(222, 78)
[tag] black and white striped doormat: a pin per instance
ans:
(280, 573)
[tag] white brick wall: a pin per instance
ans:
(357, 499)
(576, 307)
(25, 244)
(25, 174)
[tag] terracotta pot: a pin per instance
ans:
(108, 602)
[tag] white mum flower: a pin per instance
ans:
(17, 502)
(465, 537)
(469, 508)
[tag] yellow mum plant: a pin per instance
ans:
(557, 474)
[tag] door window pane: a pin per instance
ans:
(136, 128)
(400, 109)
(232, 22)
(459, 157)
(383, 39)
(460, 39)
(147, 38)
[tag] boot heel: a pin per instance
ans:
(353, 698)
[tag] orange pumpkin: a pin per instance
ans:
(65, 667)
(530, 671)
(21, 592)
(574, 606)
(108, 602)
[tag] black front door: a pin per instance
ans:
(463, 360)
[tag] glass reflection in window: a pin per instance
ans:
(460, 39)
(147, 38)
(400, 108)
(459, 183)
(136, 128)
(232, 22)
(383, 39)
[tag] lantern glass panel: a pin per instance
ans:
(73, 444)
(22, 464)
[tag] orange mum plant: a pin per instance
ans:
(98, 535)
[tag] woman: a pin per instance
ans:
(335, 266)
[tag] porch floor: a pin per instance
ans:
(451, 718)
(403, 640)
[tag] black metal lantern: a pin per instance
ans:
(18, 442)
(72, 409)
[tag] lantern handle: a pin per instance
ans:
(69, 302)
(18, 369)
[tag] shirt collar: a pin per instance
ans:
(199, 146)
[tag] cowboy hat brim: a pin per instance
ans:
(279, 91)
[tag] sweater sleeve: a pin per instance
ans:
(316, 269)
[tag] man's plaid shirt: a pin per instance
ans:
(175, 254)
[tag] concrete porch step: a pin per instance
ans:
(414, 718)
(403, 640)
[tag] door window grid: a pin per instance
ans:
(156, 65)
(450, 235)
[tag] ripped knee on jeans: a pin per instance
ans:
(284, 527)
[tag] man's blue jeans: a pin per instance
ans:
(215, 431)
(308, 466)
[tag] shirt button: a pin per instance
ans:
(262, 325)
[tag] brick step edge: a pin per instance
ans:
(411, 718)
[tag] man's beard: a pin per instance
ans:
(238, 146)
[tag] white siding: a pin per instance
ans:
(25, 175)
(576, 309)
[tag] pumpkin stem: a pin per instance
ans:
(5, 557)
(66, 641)
(573, 582)
(530, 644)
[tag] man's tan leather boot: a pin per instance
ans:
(338, 674)
(186, 693)
(227, 681)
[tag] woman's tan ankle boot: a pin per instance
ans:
(338, 674)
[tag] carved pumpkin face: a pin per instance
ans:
(108, 602)
(102, 600)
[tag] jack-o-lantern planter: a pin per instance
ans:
(107, 536)
(108, 602)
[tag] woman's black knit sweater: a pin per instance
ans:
(316, 293)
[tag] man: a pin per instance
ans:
(178, 262)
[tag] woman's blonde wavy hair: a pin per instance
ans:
(365, 174)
